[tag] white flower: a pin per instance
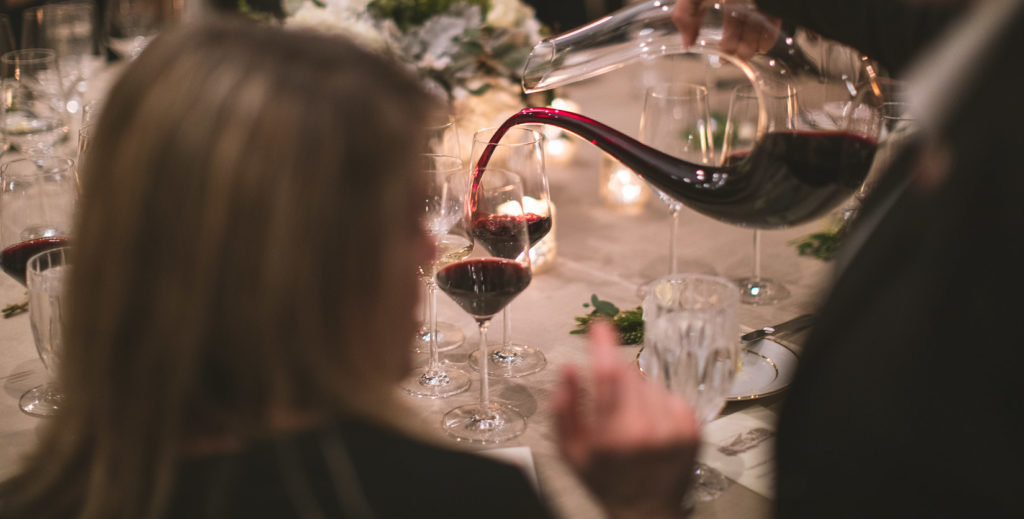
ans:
(491, 108)
(345, 17)
(508, 14)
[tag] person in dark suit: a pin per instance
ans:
(907, 401)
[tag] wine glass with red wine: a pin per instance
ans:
(677, 121)
(521, 151)
(739, 139)
(445, 217)
(494, 274)
(37, 199)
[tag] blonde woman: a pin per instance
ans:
(242, 301)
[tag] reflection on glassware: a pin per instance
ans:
(37, 199)
(47, 275)
(676, 120)
(445, 218)
(737, 143)
(84, 134)
(521, 152)
(692, 334)
(70, 30)
(132, 24)
(35, 114)
(496, 272)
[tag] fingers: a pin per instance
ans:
(687, 15)
(569, 424)
(606, 373)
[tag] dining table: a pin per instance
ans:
(598, 250)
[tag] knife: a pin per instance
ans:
(793, 325)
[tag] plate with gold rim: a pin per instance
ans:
(766, 369)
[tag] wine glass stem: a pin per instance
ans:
(433, 364)
(484, 389)
(506, 341)
(672, 239)
(757, 254)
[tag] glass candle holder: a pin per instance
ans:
(621, 189)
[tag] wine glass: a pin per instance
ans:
(47, 277)
(37, 199)
(496, 272)
(442, 139)
(70, 30)
(676, 120)
(692, 335)
(739, 139)
(445, 217)
(6, 45)
(35, 115)
(521, 151)
(132, 24)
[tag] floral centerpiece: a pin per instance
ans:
(470, 51)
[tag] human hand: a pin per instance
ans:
(636, 449)
(745, 30)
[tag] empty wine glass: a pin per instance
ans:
(70, 30)
(677, 121)
(520, 151)
(132, 24)
(442, 139)
(6, 45)
(739, 139)
(445, 217)
(35, 116)
(84, 138)
(692, 335)
(37, 200)
(47, 275)
(496, 272)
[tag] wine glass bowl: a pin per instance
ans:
(521, 151)
(47, 275)
(70, 30)
(484, 284)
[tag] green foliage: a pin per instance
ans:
(628, 323)
(821, 245)
(408, 13)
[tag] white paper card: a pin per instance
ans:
(742, 447)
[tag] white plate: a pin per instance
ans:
(767, 368)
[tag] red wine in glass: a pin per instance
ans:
(497, 231)
(483, 286)
(790, 177)
(13, 259)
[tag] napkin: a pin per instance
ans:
(742, 447)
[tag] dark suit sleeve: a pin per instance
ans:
(891, 32)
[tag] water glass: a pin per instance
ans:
(692, 336)
(47, 278)
(69, 29)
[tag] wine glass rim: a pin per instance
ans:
(453, 163)
(40, 171)
(29, 56)
(535, 139)
(730, 292)
(667, 90)
(33, 264)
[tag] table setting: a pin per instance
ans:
(664, 268)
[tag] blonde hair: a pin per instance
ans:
(237, 248)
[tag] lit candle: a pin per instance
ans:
(559, 146)
(621, 189)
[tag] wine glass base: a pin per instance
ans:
(475, 423)
(41, 401)
(761, 291)
(518, 360)
(708, 485)
(444, 382)
(449, 337)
